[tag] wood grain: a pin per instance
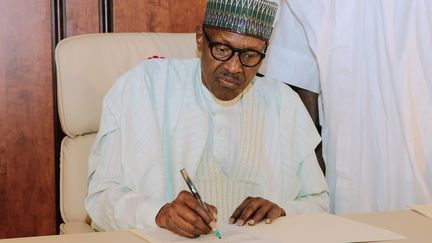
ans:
(28, 178)
(27, 167)
(81, 17)
(157, 15)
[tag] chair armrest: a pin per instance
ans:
(74, 227)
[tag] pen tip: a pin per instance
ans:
(218, 234)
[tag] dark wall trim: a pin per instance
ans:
(58, 25)
(58, 20)
(106, 16)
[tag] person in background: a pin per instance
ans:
(247, 142)
(368, 65)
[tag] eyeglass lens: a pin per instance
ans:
(223, 52)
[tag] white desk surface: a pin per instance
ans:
(416, 227)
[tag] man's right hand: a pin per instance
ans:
(186, 216)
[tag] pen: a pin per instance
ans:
(195, 193)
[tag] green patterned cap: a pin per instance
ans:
(249, 17)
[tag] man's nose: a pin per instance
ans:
(233, 65)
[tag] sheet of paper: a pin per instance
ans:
(426, 210)
(305, 228)
(230, 234)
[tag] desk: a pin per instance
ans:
(416, 227)
(101, 237)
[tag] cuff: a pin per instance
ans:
(146, 213)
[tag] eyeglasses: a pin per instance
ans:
(223, 52)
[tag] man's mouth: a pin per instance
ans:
(229, 83)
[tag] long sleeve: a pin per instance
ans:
(134, 153)
(313, 196)
(111, 203)
(299, 138)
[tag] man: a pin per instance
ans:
(247, 142)
(371, 64)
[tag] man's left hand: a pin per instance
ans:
(253, 210)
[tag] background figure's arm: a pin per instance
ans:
(291, 60)
(310, 100)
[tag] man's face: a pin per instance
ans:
(226, 79)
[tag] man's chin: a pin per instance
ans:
(227, 96)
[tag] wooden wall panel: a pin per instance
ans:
(28, 124)
(157, 15)
(27, 167)
(81, 17)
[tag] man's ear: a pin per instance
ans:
(199, 37)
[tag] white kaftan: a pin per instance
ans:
(159, 118)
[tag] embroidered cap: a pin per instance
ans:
(248, 17)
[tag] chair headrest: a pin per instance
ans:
(88, 65)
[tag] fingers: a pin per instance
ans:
(213, 211)
(261, 214)
(179, 219)
(186, 216)
(183, 228)
(191, 222)
(255, 210)
(250, 210)
(195, 206)
(273, 214)
(239, 210)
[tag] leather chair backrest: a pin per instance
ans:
(87, 67)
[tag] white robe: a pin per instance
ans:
(374, 75)
(155, 121)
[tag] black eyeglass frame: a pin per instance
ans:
(212, 44)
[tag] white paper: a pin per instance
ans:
(307, 228)
(230, 234)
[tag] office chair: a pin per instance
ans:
(87, 67)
